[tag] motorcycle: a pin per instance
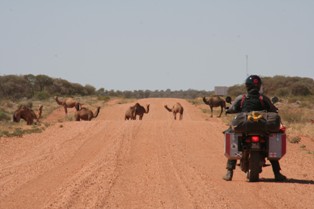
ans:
(253, 147)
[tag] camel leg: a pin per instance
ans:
(220, 112)
(181, 116)
(211, 111)
(175, 116)
(65, 110)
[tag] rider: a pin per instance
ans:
(253, 101)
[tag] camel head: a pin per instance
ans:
(147, 108)
(16, 117)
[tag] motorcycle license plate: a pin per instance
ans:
(255, 146)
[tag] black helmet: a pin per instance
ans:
(253, 82)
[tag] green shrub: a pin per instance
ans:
(4, 116)
(103, 98)
(295, 140)
(299, 89)
(42, 95)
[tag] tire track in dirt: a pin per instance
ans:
(100, 173)
(154, 163)
(33, 160)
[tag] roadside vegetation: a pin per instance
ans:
(296, 97)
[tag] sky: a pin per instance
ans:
(157, 44)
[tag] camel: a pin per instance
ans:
(84, 113)
(215, 101)
(135, 110)
(140, 110)
(130, 113)
(66, 103)
(177, 108)
(27, 114)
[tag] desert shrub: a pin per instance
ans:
(4, 116)
(300, 89)
(295, 140)
(236, 90)
(291, 115)
(282, 92)
(28, 104)
(42, 95)
(17, 132)
(103, 98)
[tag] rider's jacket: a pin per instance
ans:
(252, 101)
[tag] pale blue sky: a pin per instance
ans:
(157, 44)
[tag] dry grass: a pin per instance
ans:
(9, 128)
(296, 114)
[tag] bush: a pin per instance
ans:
(4, 116)
(103, 98)
(300, 90)
(295, 140)
(292, 115)
(282, 92)
(42, 95)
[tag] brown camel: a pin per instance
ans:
(27, 114)
(140, 110)
(177, 108)
(215, 101)
(66, 103)
(84, 113)
(135, 110)
(130, 113)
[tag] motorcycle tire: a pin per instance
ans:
(254, 167)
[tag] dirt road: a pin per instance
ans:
(153, 163)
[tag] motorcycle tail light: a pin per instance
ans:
(255, 138)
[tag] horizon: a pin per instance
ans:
(151, 89)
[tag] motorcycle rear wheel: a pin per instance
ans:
(254, 167)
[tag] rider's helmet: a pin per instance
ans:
(253, 82)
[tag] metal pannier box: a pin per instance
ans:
(232, 145)
(276, 146)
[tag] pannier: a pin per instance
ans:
(232, 141)
(276, 146)
(256, 121)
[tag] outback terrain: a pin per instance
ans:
(154, 163)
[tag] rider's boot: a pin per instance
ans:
(228, 176)
(279, 176)
(276, 170)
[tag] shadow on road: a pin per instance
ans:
(290, 181)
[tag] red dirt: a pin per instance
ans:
(153, 163)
